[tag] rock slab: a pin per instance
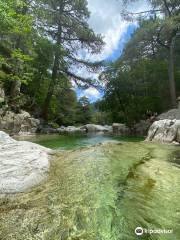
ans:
(171, 114)
(19, 123)
(22, 164)
(166, 131)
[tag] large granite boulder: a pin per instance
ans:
(167, 131)
(18, 123)
(92, 128)
(71, 129)
(22, 164)
(171, 114)
(120, 129)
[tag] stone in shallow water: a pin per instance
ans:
(22, 164)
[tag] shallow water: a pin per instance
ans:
(74, 141)
(100, 192)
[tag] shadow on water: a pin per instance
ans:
(100, 192)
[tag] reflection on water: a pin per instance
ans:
(99, 193)
(74, 141)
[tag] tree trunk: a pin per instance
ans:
(51, 87)
(172, 84)
(54, 74)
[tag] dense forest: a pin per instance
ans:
(145, 79)
(40, 42)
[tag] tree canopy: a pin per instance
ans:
(40, 54)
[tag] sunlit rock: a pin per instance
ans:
(97, 128)
(22, 164)
(19, 123)
(167, 131)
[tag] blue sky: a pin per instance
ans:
(122, 42)
(93, 94)
(105, 19)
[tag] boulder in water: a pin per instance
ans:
(90, 128)
(22, 164)
(171, 114)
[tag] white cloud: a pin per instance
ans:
(91, 93)
(106, 19)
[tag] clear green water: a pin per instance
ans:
(68, 142)
(100, 192)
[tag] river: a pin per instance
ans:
(99, 192)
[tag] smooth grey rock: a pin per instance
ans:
(22, 164)
(18, 123)
(71, 129)
(171, 114)
(166, 130)
(90, 128)
(5, 138)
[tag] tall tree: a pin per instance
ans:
(66, 24)
(166, 30)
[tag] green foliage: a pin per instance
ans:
(84, 111)
(133, 90)
(39, 44)
(145, 78)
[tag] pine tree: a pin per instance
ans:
(66, 25)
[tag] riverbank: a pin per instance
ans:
(22, 123)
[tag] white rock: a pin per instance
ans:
(22, 164)
(97, 128)
(5, 138)
(171, 114)
(18, 123)
(166, 130)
